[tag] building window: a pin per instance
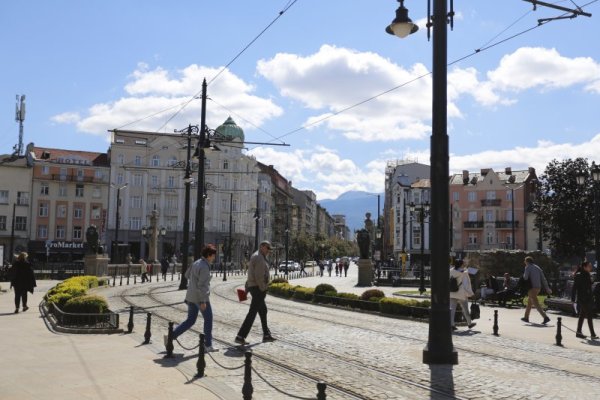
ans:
(42, 231)
(234, 206)
(472, 238)
(171, 182)
(43, 209)
(20, 223)
(490, 238)
(2, 222)
(119, 178)
(77, 233)
(172, 161)
(172, 203)
(77, 212)
(136, 202)
(120, 141)
(141, 142)
(509, 239)
(22, 198)
(97, 192)
(78, 190)
(135, 223)
(138, 160)
(225, 164)
(44, 189)
(3, 196)
(137, 179)
(45, 170)
(489, 215)
(120, 159)
(155, 161)
(472, 216)
(455, 196)
(99, 175)
(61, 211)
(60, 231)
(62, 190)
(207, 164)
(416, 236)
(80, 175)
(154, 181)
(490, 195)
(63, 174)
(96, 212)
(509, 195)
(472, 196)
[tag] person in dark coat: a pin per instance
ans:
(23, 280)
(582, 294)
(164, 268)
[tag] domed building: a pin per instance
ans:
(230, 131)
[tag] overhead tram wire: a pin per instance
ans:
(475, 52)
(185, 104)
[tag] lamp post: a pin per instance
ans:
(439, 348)
(581, 179)
(115, 247)
(152, 233)
(257, 219)
(423, 210)
(229, 240)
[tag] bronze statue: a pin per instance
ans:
(91, 236)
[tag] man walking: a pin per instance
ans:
(537, 279)
(256, 283)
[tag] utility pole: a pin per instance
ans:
(257, 218)
(200, 197)
(228, 258)
(187, 180)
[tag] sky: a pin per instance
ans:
(519, 94)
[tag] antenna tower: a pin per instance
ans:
(20, 117)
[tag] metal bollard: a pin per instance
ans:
(130, 323)
(114, 280)
(148, 334)
(127, 280)
(321, 387)
(170, 341)
(558, 334)
(201, 363)
(495, 323)
(172, 273)
(134, 279)
(121, 281)
(247, 388)
(150, 278)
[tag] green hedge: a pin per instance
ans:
(74, 288)
(87, 304)
(370, 300)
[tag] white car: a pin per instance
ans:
(291, 266)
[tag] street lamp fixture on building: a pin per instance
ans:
(401, 26)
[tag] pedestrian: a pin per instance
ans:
(336, 269)
(346, 266)
(256, 283)
(164, 267)
(302, 270)
(22, 280)
(329, 267)
(197, 297)
(536, 278)
(321, 267)
(461, 296)
(143, 270)
(582, 296)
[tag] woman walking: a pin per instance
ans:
(23, 280)
(462, 295)
(197, 297)
(582, 293)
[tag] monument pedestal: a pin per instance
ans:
(365, 272)
(96, 264)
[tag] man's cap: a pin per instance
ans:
(266, 243)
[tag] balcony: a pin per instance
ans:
(473, 224)
(506, 224)
(491, 202)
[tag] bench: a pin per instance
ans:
(513, 298)
(564, 303)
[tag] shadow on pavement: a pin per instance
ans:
(442, 379)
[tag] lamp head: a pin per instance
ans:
(580, 178)
(401, 26)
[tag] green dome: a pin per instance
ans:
(230, 130)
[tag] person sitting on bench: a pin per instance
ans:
(507, 292)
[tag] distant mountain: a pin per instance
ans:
(354, 205)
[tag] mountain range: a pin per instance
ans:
(354, 205)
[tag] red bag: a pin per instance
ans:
(242, 295)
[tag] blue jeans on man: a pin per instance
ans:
(193, 310)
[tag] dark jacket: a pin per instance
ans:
(582, 288)
(22, 276)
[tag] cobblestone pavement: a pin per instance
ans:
(372, 356)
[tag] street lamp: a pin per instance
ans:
(581, 178)
(423, 210)
(115, 247)
(439, 348)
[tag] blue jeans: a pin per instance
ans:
(191, 320)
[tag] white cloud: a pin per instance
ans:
(153, 96)
(66, 118)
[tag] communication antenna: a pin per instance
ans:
(20, 117)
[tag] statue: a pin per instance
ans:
(91, 236)
(368, 223)
(364, 243)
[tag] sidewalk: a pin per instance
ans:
(39, 364)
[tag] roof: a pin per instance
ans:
(64, 156)
(230, 129)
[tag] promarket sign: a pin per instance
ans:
(64, 245)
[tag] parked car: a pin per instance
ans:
(310, 264)
(291, 266)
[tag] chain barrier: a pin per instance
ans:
(185, 348)
(224, 366)
(279, 390)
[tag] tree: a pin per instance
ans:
(564, 208)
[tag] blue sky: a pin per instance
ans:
(90, 66)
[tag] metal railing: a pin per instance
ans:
(84, 320)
